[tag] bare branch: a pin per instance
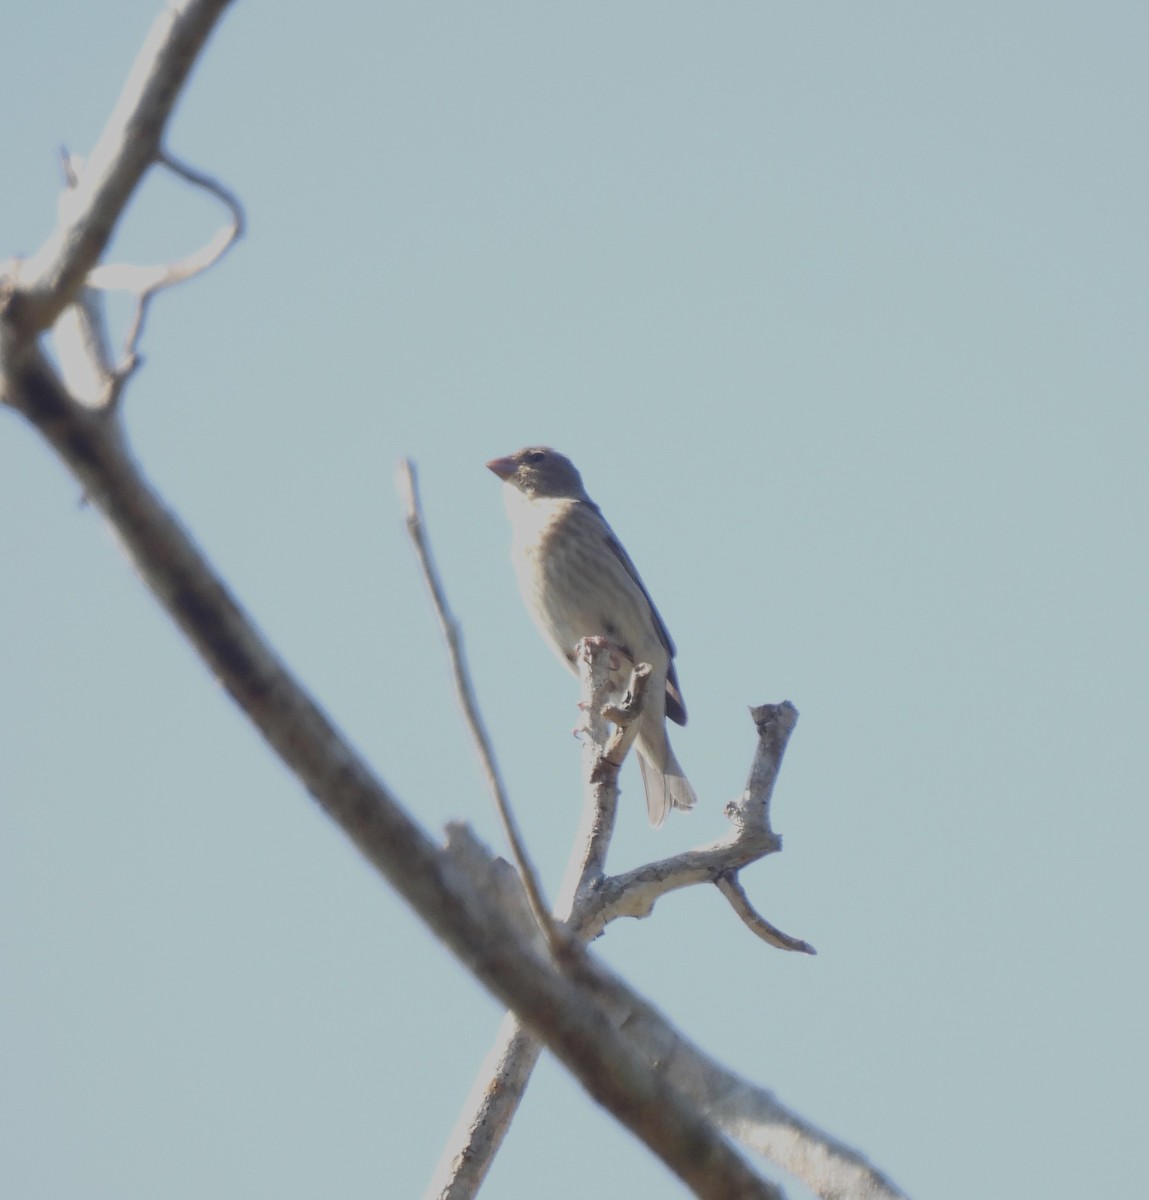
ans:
(486, 1115)
(453, 635)
(80, 333)
(589, 900)
(733, 890)
(502, 1080)
(634, 893)
(49, 281)
(147, 281)
(774, 723)
(755, 1118)
(747, 1112)
(600, 785)
(133, 277)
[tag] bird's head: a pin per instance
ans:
(537, 471)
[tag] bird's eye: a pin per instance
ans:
(535, 456)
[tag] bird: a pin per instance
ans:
(577, 581)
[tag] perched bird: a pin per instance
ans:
(577, 581)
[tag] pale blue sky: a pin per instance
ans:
(842, 311)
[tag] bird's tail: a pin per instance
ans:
(665, 789)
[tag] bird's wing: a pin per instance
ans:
(675, 707)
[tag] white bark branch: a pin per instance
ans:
(748, 1113)
(487, 1113)
(80, 333)
(502, 1080)
(734, 892)
(83, 349)
(634, 893)
(130, 143)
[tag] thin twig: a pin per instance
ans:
(732, 889)
(452, 634)
(147, 281)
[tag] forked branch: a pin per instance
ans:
(589, 899)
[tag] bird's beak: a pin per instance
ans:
(504, 468)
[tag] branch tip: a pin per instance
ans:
(730, 886)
